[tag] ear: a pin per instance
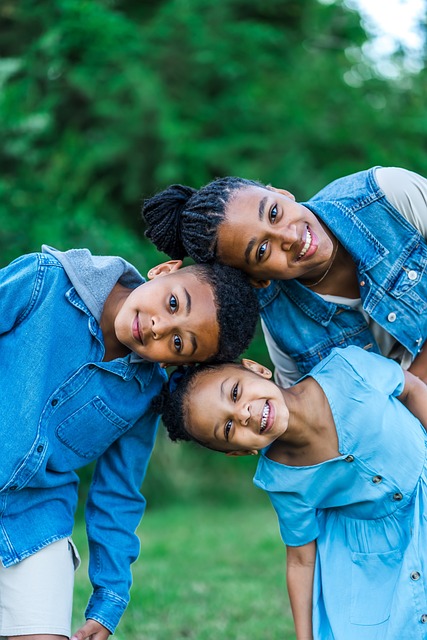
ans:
(164, 268)
(257, 368)
(288, 194)
(259, 284)
(246, 452)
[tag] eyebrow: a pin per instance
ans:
(187, 311)
(188, 301)
(222, 394)
(251, 243)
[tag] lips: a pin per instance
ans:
(309, 244)
(137, 331)
(267, 418)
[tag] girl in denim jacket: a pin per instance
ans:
(80, 336)
(349, 266)
(344, 464)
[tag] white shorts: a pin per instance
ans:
(36, 595)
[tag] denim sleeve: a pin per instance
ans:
(114, 509)
(20, 282)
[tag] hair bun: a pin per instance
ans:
(163, 216)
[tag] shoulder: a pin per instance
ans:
(407, 192)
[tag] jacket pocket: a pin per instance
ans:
(373, 580)
(91, 429)
(409, 283)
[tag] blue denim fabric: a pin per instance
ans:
(61, 408)
(391, 258)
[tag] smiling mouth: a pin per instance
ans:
(137, 331)
(264, 418)
(307, 245)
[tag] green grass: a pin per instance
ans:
(204, 573)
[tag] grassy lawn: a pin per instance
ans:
(204, 573)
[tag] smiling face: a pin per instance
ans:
(172, 318)
(235, 408)
(270, 236)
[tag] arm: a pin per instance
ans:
(419, 365)
(414, 397)
(20, 283)
(299, 574)
(113, 512)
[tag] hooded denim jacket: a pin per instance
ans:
(390, 257)
(62, 407)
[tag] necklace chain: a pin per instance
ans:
(334, 255)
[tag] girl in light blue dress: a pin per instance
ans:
(343, 459)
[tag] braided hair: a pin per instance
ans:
(182, 221)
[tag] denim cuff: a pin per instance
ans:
(106, 607)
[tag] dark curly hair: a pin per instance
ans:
(236, 304)
(170, 403)
(182, 221)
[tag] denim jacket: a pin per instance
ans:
(61, 408)
(390, 257)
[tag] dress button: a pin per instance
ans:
(412, 275)
(377, 479)
(397, 496)
(424, 618)
(40, 448)
(391, 317)
(54, 402)
(349, 458)
(415, 575)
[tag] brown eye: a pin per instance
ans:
(273, 214)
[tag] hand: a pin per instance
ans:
(92, 630)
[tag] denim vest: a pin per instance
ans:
(390, 257)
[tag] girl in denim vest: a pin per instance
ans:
(344, 463)
(80, 336)
(349, 266)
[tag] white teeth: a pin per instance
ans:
(306, 245)
(265, 414)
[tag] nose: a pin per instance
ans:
(244, 413)
(287, 237)
(160, 326)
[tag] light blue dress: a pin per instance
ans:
(366, 508)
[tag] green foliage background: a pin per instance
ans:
(104, 102)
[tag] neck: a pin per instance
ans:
(113, 347)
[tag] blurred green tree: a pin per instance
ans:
(104, 102)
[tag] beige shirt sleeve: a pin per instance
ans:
(407, 192)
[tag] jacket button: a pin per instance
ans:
(91, 366)
(412, 275)
(391, 317)
(13, 487)
(40, 448)
(54, 402)
(362, 283)
(349, 458)
(397, 496)
(415, 575)
(423, 618)
(377, 479)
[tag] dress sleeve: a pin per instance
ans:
(407, 192)
(298, 522)
(114, 509)
(379, 372)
